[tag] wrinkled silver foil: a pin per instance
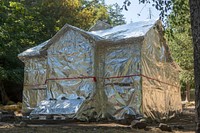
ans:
(123, 94)
(161, 100)
(34, 83)
(58, 107)
(102, 74)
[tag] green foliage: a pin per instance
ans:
(126, 4)
(80, 13)
(115, 15)
(12, 34)
(164, 6)
(180, 39)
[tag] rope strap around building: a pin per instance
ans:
(88, 77)
(141, 75)
(95, 79)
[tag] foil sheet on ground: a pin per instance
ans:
(59, 106)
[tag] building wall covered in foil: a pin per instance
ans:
(34, 83)
(70, 75)
(118, 62)
(160, 81)
(70, 57)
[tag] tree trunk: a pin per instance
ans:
(187, 96)
(4, 97)
(195, 24)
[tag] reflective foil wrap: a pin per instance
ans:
(123, 71)
(34, 83)
(71, 68)
(58, 107)
(161, 90)
(119, 68)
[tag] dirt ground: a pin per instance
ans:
(185, 122)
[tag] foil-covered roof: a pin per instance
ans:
(34, 51)
(125, 31)
(132, 30)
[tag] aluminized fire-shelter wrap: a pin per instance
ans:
(160, 83)
(70, 74)
(71, 78)
(110, 73)
(34, 77)
(119, 69)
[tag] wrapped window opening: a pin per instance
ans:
(124, 70)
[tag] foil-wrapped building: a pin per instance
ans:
(124, 70)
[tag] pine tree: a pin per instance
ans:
(115, 15)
